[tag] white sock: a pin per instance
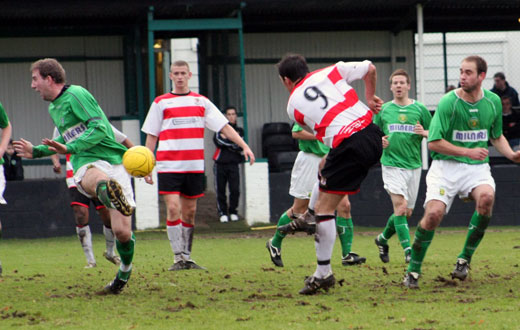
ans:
(314, 195)
(173, 228)
(85, 238)
(326, 232)
(187, 240)
(109, 241)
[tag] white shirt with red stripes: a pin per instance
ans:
(69, 174)
(179, 121)
(325, 102)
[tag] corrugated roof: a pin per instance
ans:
(270, 15)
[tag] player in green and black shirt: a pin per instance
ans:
(96, 156)
(5, 136)
(304, 179)
(466, 118)
(405, 123)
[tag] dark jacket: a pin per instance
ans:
(228, 152)
(509, 91)
(13, 169)
(511, 126)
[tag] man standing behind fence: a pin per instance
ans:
(227, 157)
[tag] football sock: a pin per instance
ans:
(102, 194)
(403, 234)
(126, 252)
(476, 230)
(314, 195)
(388, 232)
(85, 238)
(422, 241)
(276, 241)
(109, 240)
(345, 229)
(187, 239)
(324, 243)
(173, 229)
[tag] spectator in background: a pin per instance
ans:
(227, 157)
(510, 122)
(502, 88)
(13, 169)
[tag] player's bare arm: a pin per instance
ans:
(5, 137)
(373, 101)
(444, 147)
(504, 148)
(303, 135)
(23, 148)
(233, 136)
(56, 166)
(151, 143)
(419, 129)
(55, 146)
(385, 141)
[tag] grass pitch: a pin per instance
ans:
(44, 285)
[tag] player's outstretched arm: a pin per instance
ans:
(504, 148)
(370, 79)
(151, 143)
(232, 135)
(444, 147)
(23, 148)
(55, 146)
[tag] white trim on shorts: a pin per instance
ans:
(402, 181)
(304, 175)
(116, 172)
(2, 187)
(449, 178)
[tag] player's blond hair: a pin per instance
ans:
(180, 63)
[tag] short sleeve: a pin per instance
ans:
(214, 119)
(352, 71)
(152, 123)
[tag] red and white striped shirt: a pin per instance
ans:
(179, 122)
(325, 102)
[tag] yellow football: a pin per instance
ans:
(138, 161)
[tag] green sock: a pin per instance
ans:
(422, 241)
(388, 232)
(126, 252)
(401, 227)
(102, 194)
(278, 237)
(345, 229)
(476, 230)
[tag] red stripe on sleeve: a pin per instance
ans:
(298, 116)
(183, 112)
(69, 174)
(180, 155)
(182, 133)
(334, 75)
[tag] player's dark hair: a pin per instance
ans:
(500, 75)
(50, 67)
(293, 66)
(479, 62)
(400, 72)
(230, 107)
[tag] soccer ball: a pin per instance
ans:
(139, 161)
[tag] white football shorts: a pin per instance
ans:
(448, 178)
(116, 172)
(304, 175)
(402, 181)
(2, 186)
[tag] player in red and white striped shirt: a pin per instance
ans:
(324, 103)
(177, 121)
